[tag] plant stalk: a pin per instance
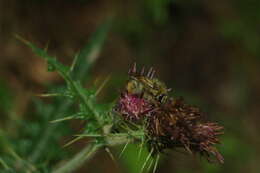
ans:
(75, 163)
(88, 152)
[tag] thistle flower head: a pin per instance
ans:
(169, 123)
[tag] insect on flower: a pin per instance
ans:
(146, 85)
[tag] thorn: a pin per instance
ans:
(62, 119)
(124, 149)
(49, 95)
(150, 165)
(112, 157)
(152, 75)
(140, 150)
(146, 161)
(156, 163)
(142, 71)
(149, 72)
(134, 68)
(188, 149)
(102, 85)
(130, 71)
(72, 141)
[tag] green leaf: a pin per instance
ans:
(53, 64)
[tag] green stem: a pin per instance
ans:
(87, 153)
(84, 155)
(2, 162)
(86, 101)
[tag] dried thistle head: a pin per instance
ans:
(178, 125)
(206, 136)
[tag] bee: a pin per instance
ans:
(146, 86)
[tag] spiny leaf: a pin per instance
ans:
(53, 63)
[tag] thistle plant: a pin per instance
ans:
(144, 113)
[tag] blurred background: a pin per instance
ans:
(207, 51)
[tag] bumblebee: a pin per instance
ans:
(146, 86)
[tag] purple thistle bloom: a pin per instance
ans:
(132, 107)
